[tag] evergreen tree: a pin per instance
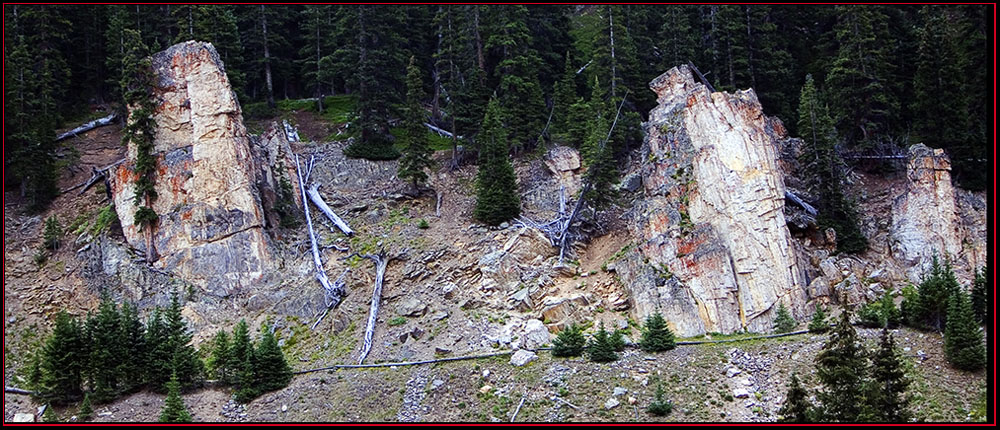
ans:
(818, 324)
(963, 338)
(783, 322)
(796, 408)
(378, 86)
(316, 53)
(132, 340)
(656, 335)
(862, 101)
(910, 308)
(174, 410)
(140, 129)
(107, 350)
(53, 233)
(617, 340)
(660, 405)
(497, 198)
(186, 363)
(159, 355)
(86, 410)
(271, 369)
(600, 349)
(886, 399)
(50, 415)
(63, 361)
(602, 173)
(678, 38)
(838, 367)
(881, 313)
(569, 342)
(517, 70)
(981, 295)
(564, 95)
(820, 158)
(264, 43)
(220, 363)
(579, 124)
(241, 355)
(934, 290)
(416, 146)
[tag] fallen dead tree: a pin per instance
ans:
(15, 390)
(332, 297)
(317, 200)
(334, 292)
(802, 203)
(96, 174)
(101, 122)
(381, 261)
(441, 132)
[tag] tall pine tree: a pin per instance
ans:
(63, 361)
(416, 145)
(963, 338)
(839, 369)
(497, 198)
(885, 399)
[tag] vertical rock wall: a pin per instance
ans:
(713, 251)
(210, 230)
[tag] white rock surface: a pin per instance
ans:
(522, 357)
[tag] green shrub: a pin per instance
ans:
(881, 313)
(617, 340)
(371, 152)
(423, 225)
(397, 321)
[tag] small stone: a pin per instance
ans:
(522, 357)
(411, 307)
(906, 349)
(442, 350)
(417, 332)
(437, 383)
(746, 382)
(741, 393)
(449, 290)
(632, 400)
(504, 225)
(733, 372)
(284, 408)
(24, 418)
(611, 403)
(485, 389)
(619, 391)
(486, 373)
(439, 316)
(11, 320)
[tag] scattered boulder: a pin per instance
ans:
(611, 403)
(522, 357)
(411, 307)
(535, 334)
(741, 393)
(732, 371)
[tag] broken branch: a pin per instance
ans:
(317, 200)
(108, 120)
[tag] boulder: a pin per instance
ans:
(522, 357)
(714, 252)
(411, 307)
(534, 334)
(564, 163)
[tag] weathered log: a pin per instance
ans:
(317, 200)
(518, 409)
(290, 132)
(380, 264)
(441, 131)
(701, 77)
(324, 280)
(798, 200)
(108, 120)
(15, 390)
(437, 208)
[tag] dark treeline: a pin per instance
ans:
(886, 74)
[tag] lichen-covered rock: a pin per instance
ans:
(924, 218)
(210, 230)
(714, 251)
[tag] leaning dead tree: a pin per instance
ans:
(557, 230)
(317, 200)
(332, 296)
(334, 292)
(108, 120)
(381, 261)
(96, 175)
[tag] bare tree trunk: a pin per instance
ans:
(479, 41)
(267, 61)
(333, 293)
(611, 21)
(380, 264)
(108, 120)
(317, 200)
(436, 74)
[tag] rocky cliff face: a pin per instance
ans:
(925, 218)
(713, 251)
(210, 230)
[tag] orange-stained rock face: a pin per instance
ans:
(210, 231)
(714, 252)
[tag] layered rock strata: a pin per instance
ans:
(713, 252)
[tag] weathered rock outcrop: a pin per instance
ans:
(713, 251)
(564, 163)
(210, 231)
(925, 221)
